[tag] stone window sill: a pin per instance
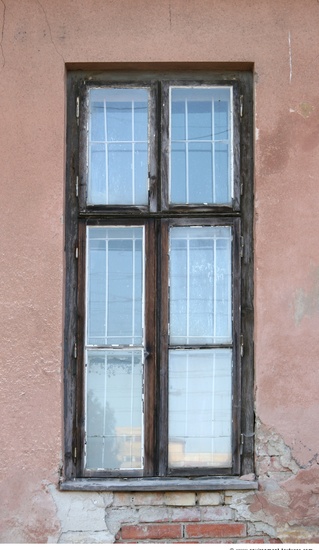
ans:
(162, 484)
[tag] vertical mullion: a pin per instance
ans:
(133, 287)
(186, 393)
(215, 288)
(104, 419)
(131, 404)
(163, 354)
(150, 357)
(187, 288)
(213, 151)
(230, 122)
(106, 285)
(186, 151)
(106, 156)
(213, 406)
(133, 153)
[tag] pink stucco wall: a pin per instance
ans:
(38, 41)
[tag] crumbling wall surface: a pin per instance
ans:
(40, 41)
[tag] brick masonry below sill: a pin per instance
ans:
(156, 484)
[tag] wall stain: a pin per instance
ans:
(297, 130)
(306, 302)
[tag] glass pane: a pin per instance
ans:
(200, 285)
(119, 129)
(114, 409)
(115, 286)
(119, 120)
(221, 171)
(200, 408)
(199, 120)
(97, 121)
(120, 174)
(178, 120)
(98, 173)
(200, 129)
(140, 173)
(200, 173)
(178, 171)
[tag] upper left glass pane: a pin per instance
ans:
(118, 146)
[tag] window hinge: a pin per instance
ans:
(75, 351)
(241, 105)
(241, 246)
(74, 453)
(241, 187)
(77, 111)
(77, 186)
(76, 252)
(241, 345)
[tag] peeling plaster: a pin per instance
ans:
(82, 516)
(304, 109)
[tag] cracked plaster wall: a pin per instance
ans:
(37, 41)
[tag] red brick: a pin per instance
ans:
(199, 530)
(154, 531)
(185, 514)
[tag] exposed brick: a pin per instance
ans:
(150, 514)
(219, 513)
(198, 530)
(153, 531)
(180, 499)
(185, 514)
(209, 499)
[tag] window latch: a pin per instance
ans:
(241, 345)
(77, 113)
(241, 246)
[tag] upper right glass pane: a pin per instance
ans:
(201, 145)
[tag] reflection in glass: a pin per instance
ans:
(115, 285)
(114, 408)
(200, 145)
(118, 145)
(200, 285)
(200, 408)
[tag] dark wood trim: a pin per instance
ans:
(80, 366)
(157, 484)
(71, 275)
(163, 319)
(236, 375)
(247, 276)
(150, 366)
(157, 217)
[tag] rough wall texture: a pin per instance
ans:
(38, 39)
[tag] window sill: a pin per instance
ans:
(159, 484)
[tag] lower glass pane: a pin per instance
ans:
(200, 408)
(114, 410)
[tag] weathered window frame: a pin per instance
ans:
(159, 213)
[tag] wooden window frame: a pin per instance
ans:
(157, 217)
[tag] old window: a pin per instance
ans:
(158, 338)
